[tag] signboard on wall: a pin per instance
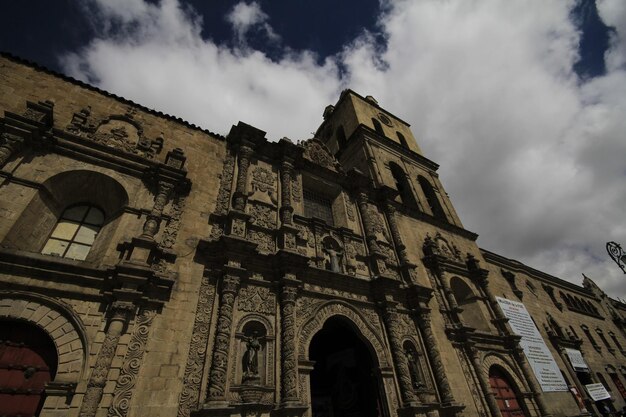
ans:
(577, 360)
(539, 357)
(597, 392)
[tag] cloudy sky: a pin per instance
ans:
(522, 103)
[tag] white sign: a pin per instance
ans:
(576, 359)
(539, 357)
(597, 392)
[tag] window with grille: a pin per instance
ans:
(318, 205)
(75, 232)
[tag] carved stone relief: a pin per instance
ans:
(226, 184)
(257, 300)
(316, 152)
(264, 240)
(262, 215)
(190, 395)
(440, 246)
(263, 186)
(296, 188)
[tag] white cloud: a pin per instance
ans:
(532, 158)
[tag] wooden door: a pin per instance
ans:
(27, 362)
(505, 394)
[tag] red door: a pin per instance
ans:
(505, 395)
(27, 362)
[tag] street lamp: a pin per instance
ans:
(617, 254)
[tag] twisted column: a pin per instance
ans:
(390, 213)
(286, 210)
(151, 226)
(366, 215)
(221, 348)
(392, 320)
(289, 380)
(245, 152)
(434, 356)
(483, 380)
(10, 145)
(98, 379)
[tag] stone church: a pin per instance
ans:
(149, 267)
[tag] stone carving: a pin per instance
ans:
(471, 378)
(395, 331)
(349, 209)
(38, 114)
(335, 293)
(197, 351)
(223, 195)
(173, 226)
(262, 215)
(315, 321)
(130, 368)
(9, 144)
(98, 378)
(238, 227)
(305, 307)
(289, 386)
(263, 185)
(221, 348)
(440, 246)
(163, 193)
(316, 152)
(264, 240)
(250, 360)
(435, 358)
(296, 188)
(117, 131)
(239, 196)
(256, 300)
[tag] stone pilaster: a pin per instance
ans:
(151, 226)
(289, 372)
(483, 380)
(286, 210)
(392, 323)
(368, 223)
(245, 152)
(434, 356)
(221, 347)
(120, 315)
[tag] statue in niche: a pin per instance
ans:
(414, 367)
(251, 358)
(333, 255)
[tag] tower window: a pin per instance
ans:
(402, 139)
(402, 185)
(431, 198)
(378, 127)
(75, 232)
(318, 205)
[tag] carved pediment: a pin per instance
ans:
(117, 131)
(440, 246)
(316, 152)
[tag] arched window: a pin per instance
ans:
(471, 315)
(75, 232)
(606, 342)
(431, 198)
(616, 341)
(590, 337)
(378, 127)
(402, 185)
(603, 381)
(402, 139)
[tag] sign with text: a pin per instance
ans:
(576, 359)
(597, 392)
(539, 357)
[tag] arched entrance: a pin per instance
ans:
(505, 394)
(343, 382)
(28, 360)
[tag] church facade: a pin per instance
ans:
(149, 267)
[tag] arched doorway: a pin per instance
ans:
(28, 360)
(505, 394)
(343, 382)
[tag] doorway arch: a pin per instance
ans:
(344, 380)
(28, 361)
(506, 393)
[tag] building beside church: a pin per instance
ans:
(149, 267)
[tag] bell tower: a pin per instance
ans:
(363, 135)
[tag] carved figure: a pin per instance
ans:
(251, 357)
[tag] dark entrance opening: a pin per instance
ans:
(28, 360)
(343, 382)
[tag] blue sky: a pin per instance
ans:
(522, 103)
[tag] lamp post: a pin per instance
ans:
(617, 254)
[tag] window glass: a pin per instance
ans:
(318, 205)
(75, 232)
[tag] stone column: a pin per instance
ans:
(289, 373)
(245, 152)
(518, 352)
(392, 320)
(368, 225)
(10, 144)
(221, 347)
(286, 210)
(483, 380)
(390, 212)
(423, 321)
(120, 315)
(151, 226)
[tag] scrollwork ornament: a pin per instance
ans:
(257, 300)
